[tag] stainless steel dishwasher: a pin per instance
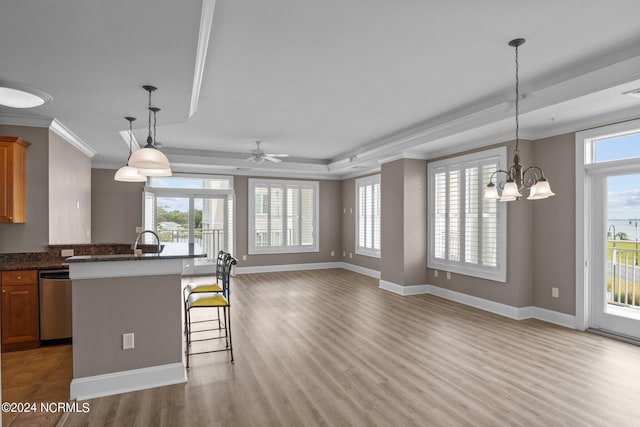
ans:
(55, 305)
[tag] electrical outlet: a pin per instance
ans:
(344, 253)
(66, 252)
(448, 275)
(350, 210)
(344, 211)
(244, 257)
(555, 292)
(350, 255)
(127, 341)
(333, 253)
(435, 273)
(138, 229)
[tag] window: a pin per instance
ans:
(283, 216)
(194, 211)
(467, 233)
(368, 216)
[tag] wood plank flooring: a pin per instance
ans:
(39, 375)
(328, 348)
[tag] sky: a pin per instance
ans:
(623, 190)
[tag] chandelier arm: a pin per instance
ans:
(494, 174)
(528, 183)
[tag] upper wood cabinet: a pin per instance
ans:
(13, 179)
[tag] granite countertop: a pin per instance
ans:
(33, 265)
(132, 257)
(52, 259)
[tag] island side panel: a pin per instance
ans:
(106, 308)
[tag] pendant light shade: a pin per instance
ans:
(149, 160)
(128, 173)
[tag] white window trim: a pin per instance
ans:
(252, 249)
(376, 253)
(498, 273)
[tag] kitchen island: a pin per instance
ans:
(127, 322)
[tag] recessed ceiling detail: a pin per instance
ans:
(16, 95)
(339, 86)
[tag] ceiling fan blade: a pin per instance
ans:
(249, 158)
(272, 159)
(277, 155)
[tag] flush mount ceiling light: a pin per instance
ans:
(20, 96)
(150, 161)
(129, 173)
(517, 179)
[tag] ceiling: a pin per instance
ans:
(338, 85)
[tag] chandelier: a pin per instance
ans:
(149, 160)
(518, 179)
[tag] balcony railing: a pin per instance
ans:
(209, 241)
(623, 274)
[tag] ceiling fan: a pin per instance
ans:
(258, 155)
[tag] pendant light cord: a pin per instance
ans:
(149, 114)
(517, 150)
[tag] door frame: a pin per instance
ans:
(586, 171)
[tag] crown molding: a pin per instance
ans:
(13, 119)
(204, 35)
(63, 132)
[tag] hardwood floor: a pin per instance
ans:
(39, 375)
(328, 347)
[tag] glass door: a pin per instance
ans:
(616, 294)
(210, 225)
(173, 223)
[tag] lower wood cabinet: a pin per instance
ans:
(20, 310)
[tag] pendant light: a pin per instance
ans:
(128, 173)
(152, 171)
(517, 179)
(149, 160)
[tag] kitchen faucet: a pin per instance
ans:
(135, 245)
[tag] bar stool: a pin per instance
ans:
(218, 300)
(207, 287)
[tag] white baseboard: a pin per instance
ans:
(562, 319)
(516, 313)
(307, 266)
(287, 267)
(126, 381)
(362, 270)
(404, 290)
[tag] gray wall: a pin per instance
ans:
(404, 222)
(392, 229)
(554, 234)
(330, 227)
(69, 193)
(32, 236)
(349, 229)
(116, 208)
(113, 307)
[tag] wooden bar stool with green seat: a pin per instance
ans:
(218, 300)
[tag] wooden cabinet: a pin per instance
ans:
(13, 179)
(19, 310)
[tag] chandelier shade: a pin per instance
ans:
(518, 178)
